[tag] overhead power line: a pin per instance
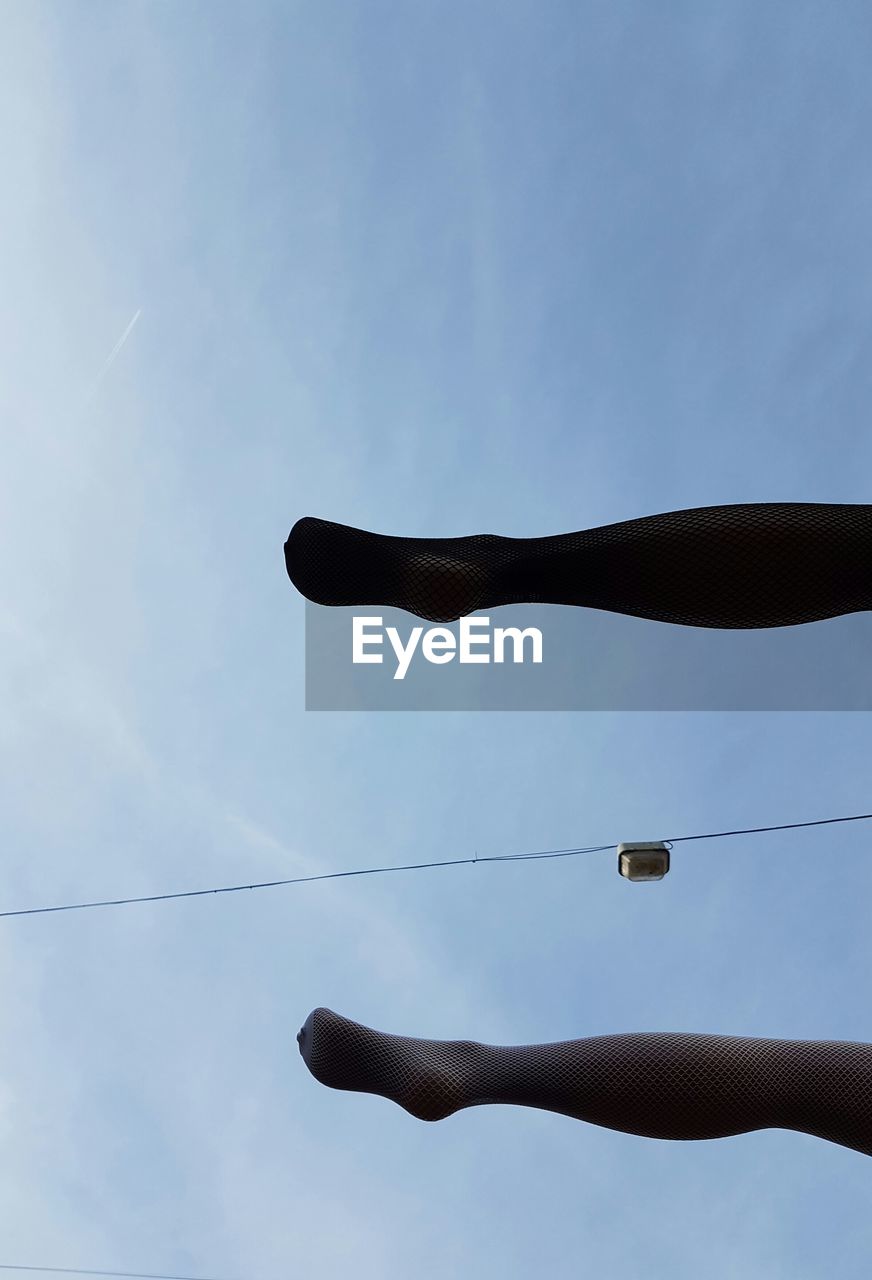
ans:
(787, 826)
(416, 866)
(78, 1271)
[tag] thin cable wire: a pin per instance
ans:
(417, 866)
(788, 826)
(78, 1271)
(273, 884)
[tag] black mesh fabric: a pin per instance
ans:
(657, 1085)
(742, 566)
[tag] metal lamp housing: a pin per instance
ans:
(643, 860)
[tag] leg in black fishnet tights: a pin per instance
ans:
(674, 1086)
(742, 566)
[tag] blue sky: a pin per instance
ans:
(430, 270)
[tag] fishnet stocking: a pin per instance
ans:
(667, 1085)
(742, 566)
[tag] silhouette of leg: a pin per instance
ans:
(675, 1086)
(743, 566)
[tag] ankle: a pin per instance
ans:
(439, 1080)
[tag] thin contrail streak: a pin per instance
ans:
(110, 359)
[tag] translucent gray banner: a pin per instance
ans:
(590, 661)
